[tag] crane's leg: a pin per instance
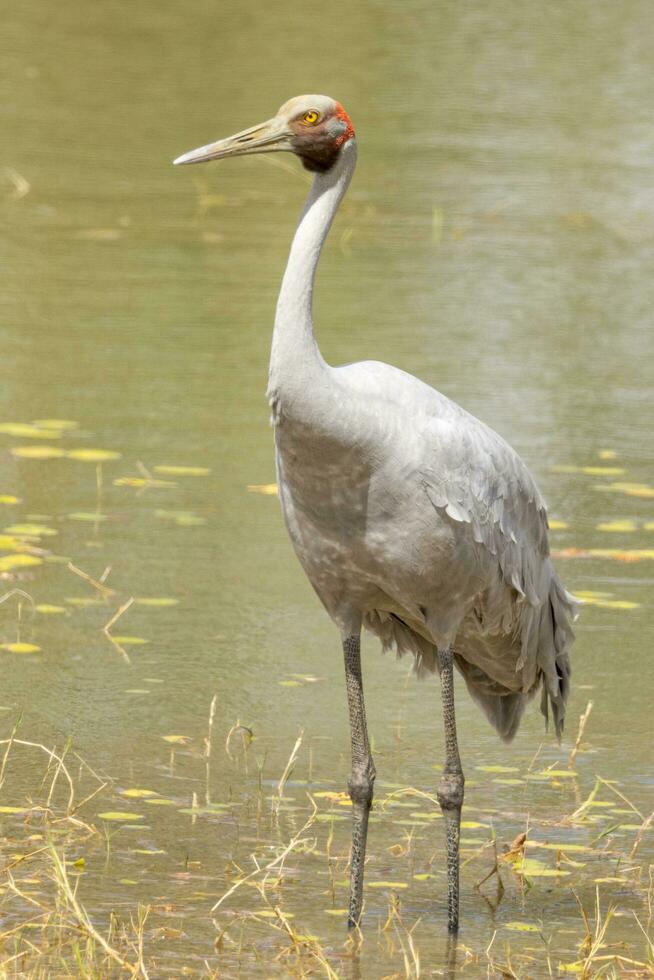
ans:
(362, 776)
(450, 789)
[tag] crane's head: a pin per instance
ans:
(314, 127)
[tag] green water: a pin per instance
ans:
(497, 242)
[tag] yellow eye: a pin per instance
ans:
(311, 117)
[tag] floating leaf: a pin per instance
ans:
(177, 739)
(137, 794)
(159, 801)
(289, 683)
(521, 927)
(84, 601)
(497, 768)
(183, 470)
(9, 562)
(589, 470)
(8, 498)
(20, 647)
(509, 782)
(13, 809)
(93, 455)
(120, 816)
(634, 555)
(472, 824)
(48, 610)
(36, 452)
(138, 482)
(335, 911)
(630, 489)
(32, 530)
(20, 430)
(612, 603)
(558, 773)
(555, 525)
(87, 516)
(328, 794)
(148, 851)
(129, 641)
(387, 884)
(559, 846)
(156, 601)
(617, 526)
(268, 489)
(61, 424)
(9, 543)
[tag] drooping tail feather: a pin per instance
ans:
(555, 637)
(546, 637)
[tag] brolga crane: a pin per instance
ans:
(410, 517)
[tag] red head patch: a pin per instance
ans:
(349, 128)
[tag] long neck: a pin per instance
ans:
(295, 356)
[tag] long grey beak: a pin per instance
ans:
(267, 137)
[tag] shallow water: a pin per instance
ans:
(497, 241)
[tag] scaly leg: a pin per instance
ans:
(450, 789)
(362, 776)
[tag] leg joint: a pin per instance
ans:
(360, 785)
(450, 791)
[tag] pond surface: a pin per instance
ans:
(497, 242)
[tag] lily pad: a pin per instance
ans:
(93, 455)
(157, 601)
(88, 516)
(20, 647)
(9, 562)
(37, 452)
(24, 430)
(32, 530)
(183, 470)
(120, 816)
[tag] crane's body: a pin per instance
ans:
(410, 517)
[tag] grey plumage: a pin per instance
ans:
(440, 530)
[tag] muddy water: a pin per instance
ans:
(497, 241)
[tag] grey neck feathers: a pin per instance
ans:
(295, 359)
